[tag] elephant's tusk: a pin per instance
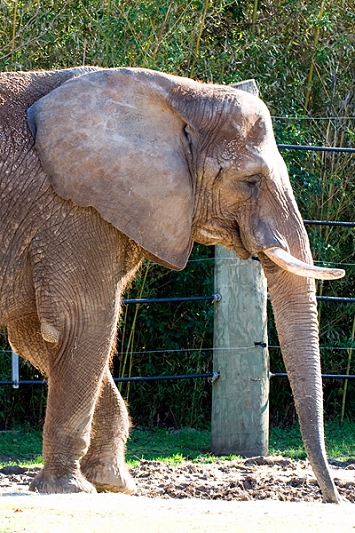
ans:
(290, 263)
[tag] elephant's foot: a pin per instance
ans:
(111, 477)
(61, 485)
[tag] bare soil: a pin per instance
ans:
(242, 496)
(259, 478)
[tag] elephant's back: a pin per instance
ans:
(21, 175)
(24, 88)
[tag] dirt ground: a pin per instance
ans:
(247, 495)
(259, 478)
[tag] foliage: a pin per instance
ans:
(302, 56)
(170, 340)
(25, 405)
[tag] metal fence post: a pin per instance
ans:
(15, 370)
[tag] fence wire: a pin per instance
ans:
(217, 297)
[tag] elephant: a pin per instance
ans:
(101, 168)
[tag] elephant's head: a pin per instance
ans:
(169, 161)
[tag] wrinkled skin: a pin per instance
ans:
(110, 167)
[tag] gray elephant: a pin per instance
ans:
(101, 168)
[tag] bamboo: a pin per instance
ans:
(311, 69)
(255, 15)
(14, 21)
(345, 389)
(130, 344)
(120, 371)
(201, 27)
(161, 33)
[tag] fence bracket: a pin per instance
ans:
(215, 376)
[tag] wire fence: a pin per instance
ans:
(316, 148)
(214, 298)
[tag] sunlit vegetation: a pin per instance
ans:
(302, 54)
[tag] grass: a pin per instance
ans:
(340, 441)
(174, 446)
(20, 447)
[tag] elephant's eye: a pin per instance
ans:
(248, 186)
(252, 180)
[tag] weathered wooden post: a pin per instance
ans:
(240, 404)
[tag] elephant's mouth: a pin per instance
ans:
(278, 254)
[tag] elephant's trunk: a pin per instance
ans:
(295, 310)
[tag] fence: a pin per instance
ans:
(214, 298)
(16, 382)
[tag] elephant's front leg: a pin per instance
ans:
(79, 335)
(75, 377)
(60, 474)
(104, 464)
(79, 266)
(61, 471)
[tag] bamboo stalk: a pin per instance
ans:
(14, 21)
(311, 69)
(350, 354)
(198, 369)
(160, 37)
(201, 27)
(255, 15)
(84, 52)
(130, 343)
(14, 25)
(120, 371)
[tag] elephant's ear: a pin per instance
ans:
(109, 140)
(248, 86)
